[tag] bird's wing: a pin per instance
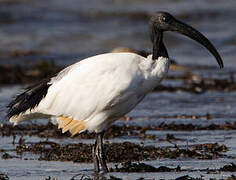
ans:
(92, 86)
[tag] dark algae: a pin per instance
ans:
(142, 167)
(118, 152)
(230, 168)
(26, 74)
(51, 131)
(3, 176)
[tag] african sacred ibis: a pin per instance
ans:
(93, 93)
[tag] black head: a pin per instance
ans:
(163, 21)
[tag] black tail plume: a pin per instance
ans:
(28, 99)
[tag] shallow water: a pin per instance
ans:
(64, 32)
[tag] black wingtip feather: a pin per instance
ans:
(28, 99)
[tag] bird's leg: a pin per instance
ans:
(95, 156)
(101, 154)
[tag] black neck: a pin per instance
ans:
(160, 52)
(159, 49)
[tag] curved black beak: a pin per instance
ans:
(192, 33)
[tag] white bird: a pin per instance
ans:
(94, 92)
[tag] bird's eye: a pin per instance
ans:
(164, 19)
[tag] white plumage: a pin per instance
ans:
(96, 91)
(100, 89)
